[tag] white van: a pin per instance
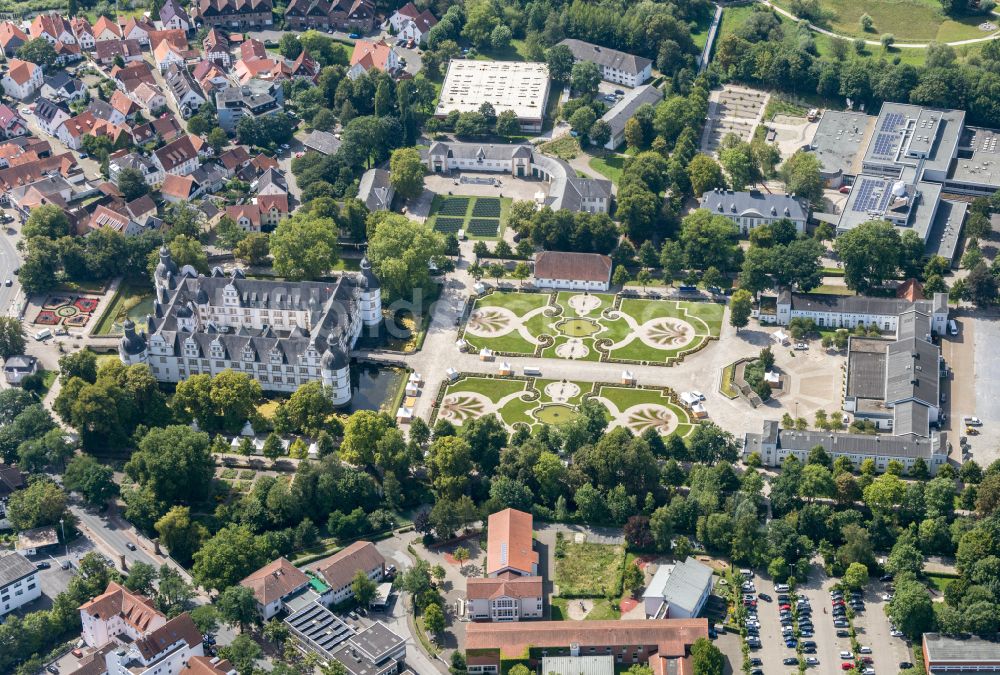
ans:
(535, 372)
(952, 327)
(43, 334)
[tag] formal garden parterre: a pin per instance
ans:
(532, 402)
(591, 326)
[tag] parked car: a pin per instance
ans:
(812, 661)
(781, 588)
(790, 661)
(130, 546)
(903, 665)
(865, 649)
(354, 36)
(847, 665)
(801, 346)
(846, 655)
(42, 565)
(970, 421)
(843, 634)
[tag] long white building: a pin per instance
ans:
(282, 334)
(18, 582)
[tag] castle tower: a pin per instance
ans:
(336, 373)
(371, 295)
(132, 346)
(166, 270)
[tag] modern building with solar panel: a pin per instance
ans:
(905, 165)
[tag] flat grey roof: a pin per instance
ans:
(840, 140)
(579, 665)
(863, 204)
(946, 229)
(904, 131)
(377, 641)
(983, 166)
(942, 649)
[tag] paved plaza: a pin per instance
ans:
(592, 326)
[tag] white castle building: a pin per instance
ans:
(283, 334)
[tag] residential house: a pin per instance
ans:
(26, 173)
(752, 208)
(172, 15)
(61, 87)
(678, 590)
(272, 197)
(618, 67)
(74, 130)
(375, 190)
(209, 177)
(129, 76)
(22, 79)
(50, 115)
(165, 650)
(303, 67)
(210, 77)
(185, 91)
(122, 223)
(353, 15)
(624, 110)
(150, 98)
(264, 69)
(53, 28)
(105, 111)
(216, 47)
(106, 29)
(234, 159)
(15, 369)
(11, 480)
(576, 271)
(176, 37)
(247, 216)
(251, 49)
(165, 129)
(409, 23)
(339, 569)
(67, 53)
(239, 14)
(11, 123)
(255, 98)
(178, 188)
(118, 612)
(322, 142)
(84, 32)
(273, 584)
(368, 55)
(124, 105)
(138, 29)
(18, 582)
(178, 158)
(11, 38)
(107, 51)
(143, 211)
(166, 53)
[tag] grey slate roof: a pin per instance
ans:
(181, 83)
(46, 110)
(375, 190)
(754, 203)
(479, 150)
(858, 444)
(911, 372)
(608, 58)
(322, 141)
(853, 304)
(624, 110)
(14, 566)
(684, 585)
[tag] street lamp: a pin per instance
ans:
(62, 527)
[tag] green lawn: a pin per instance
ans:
(493, 389)
(565, 147)
(519, 303)
(728, 387)
(602, 610)
(609, 166)
(907, 20)
(589, 570)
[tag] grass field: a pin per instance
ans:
(909, 20)
(480, 217)
(590, 570)
(602, 610)
(565, 147)
(610, 166)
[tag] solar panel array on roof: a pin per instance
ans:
(892, 122)
(885, 144)
(317, 624)
(873, 195)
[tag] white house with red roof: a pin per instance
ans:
(106, 29)
(11, 38)
(410, 23)
(138, 29)
(53, 28)
(83, 31)
(11, 124)
(22, 79)
(368, 55)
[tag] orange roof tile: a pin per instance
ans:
(510, 542)
(21, 71)
(134, 609)
(279, 578)
(177, 186)
(370, 54)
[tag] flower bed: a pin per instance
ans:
(47, 317)
(86, 305)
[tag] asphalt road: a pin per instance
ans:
(9, 261)
(110, 536)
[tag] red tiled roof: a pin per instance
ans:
(21, 71)
(177, 186)
(510, 542)
(507, 584)
(180, 628)
(122, 103)
(671, 637)
(103, 23)
(370, 54)
(206, 665)
(176, 153)
(48, 24)
(134, 609)
(267, 202)
(8, 31)
(574, 266)
(338, 570)
(279, 578)
(911, 290)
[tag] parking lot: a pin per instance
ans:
(871, 624)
